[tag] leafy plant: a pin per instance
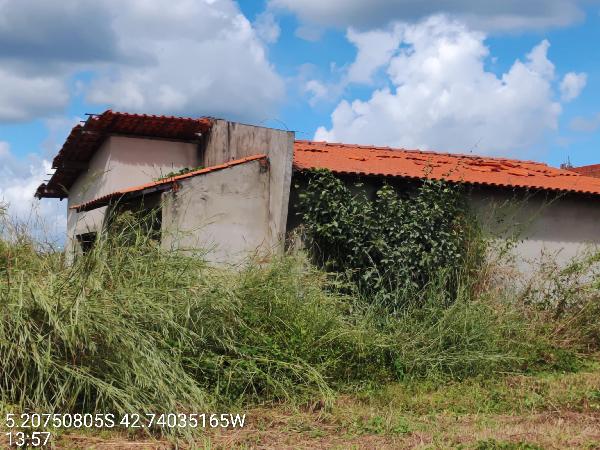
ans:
(393, 246)
(178, 172)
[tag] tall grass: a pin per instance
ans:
(130, 327)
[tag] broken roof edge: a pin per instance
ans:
(160, 185)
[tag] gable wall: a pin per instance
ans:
(122, 162)
(222, 215)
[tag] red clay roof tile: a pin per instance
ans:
(379, 161)
(589, 171)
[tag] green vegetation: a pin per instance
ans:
(129, 327)
(396, 245)
(179, 172)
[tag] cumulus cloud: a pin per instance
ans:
(486, 15)
(375, 49)
(184, 57)
(19, 178)
(572, 85)
(23, 97)
(41, 44)
(204, 57)
(267, 27)
(54, 32)
(442, 96)
(316, 90)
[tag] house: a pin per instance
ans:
(226, 187)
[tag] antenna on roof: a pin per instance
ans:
(274, 119)
(567, 165)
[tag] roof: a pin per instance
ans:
(160, 185)
(589, 171)
(472, 169)
(84, 140)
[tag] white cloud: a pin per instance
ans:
(267, 27)
(316, 90)
(572, 85)
(4, 150)
(19, 178)
(487, 15)
(185, 57)
(375, 49)
(202, 57)
(309, 33)
(442, 96)
(24, 96)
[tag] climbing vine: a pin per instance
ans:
(393, 246)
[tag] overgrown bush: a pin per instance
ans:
(128, 327)
(395, 245)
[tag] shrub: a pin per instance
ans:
(129, 327)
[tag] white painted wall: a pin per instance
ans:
(225, 213)
(122, 162)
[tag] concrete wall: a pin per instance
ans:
(225, 212)
(122, 162)
(545, 227)
(229, 140)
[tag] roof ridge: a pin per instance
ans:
(156, 116)
(420, 151)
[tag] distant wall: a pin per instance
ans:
(122, 162)
(225, 212)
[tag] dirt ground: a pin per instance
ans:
(552, 430)
(513, 412)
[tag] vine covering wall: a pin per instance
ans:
(393, 246)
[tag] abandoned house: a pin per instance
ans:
(226, 187)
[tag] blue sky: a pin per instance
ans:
(517, 79)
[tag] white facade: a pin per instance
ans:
(122, 162)
(541, 229)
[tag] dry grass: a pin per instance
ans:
(548, 411)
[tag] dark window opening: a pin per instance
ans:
(86, 241)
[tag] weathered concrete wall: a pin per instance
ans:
(544, 227)
(119, 163)
(229, 140)
(224, 212)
